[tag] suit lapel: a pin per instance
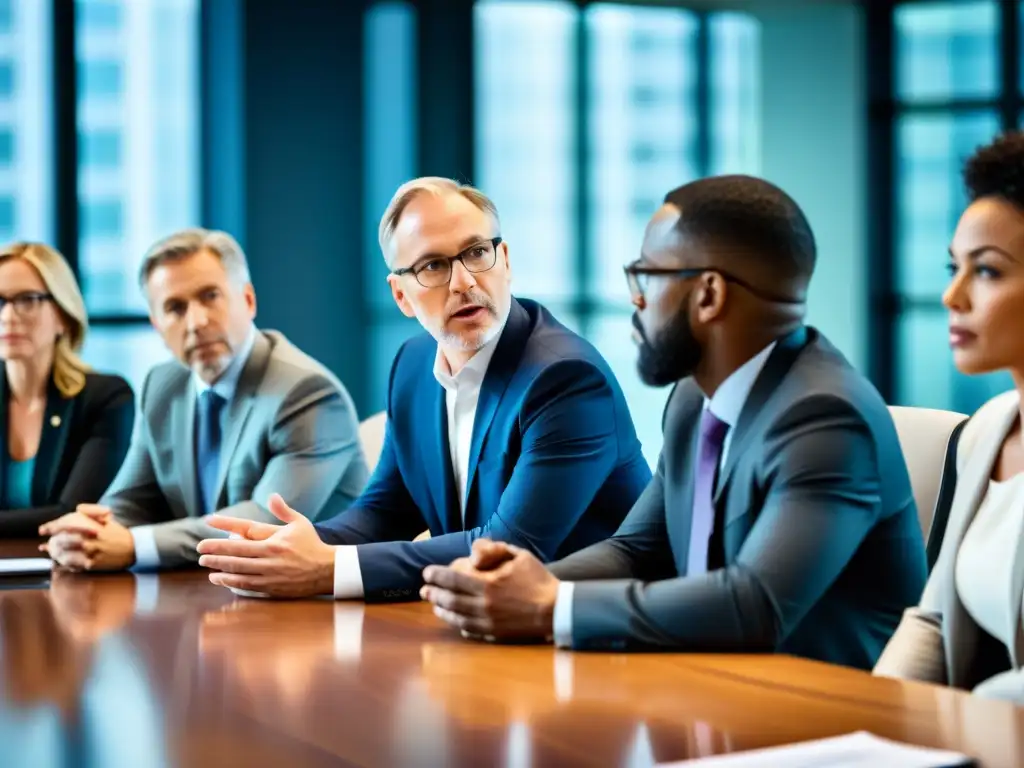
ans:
(680, 524)
(52, 441)
(240, 407)
(502, 367)
(754, 413)
(975, 481)
(1017, 649)
(971, 487)
(5, 395)
(183, 426)
(438, 456)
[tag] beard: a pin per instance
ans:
(470, 341)
(209, 368)
(671, 355)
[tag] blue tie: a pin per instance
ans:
(208, 448)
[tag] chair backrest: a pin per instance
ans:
(371, 437)
(924, 437)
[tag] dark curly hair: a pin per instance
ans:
(997, 170)
(752, 215)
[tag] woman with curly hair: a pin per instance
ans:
(967, 630)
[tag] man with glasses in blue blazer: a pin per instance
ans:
(501, 423)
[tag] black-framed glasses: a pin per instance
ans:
(25, 304)
(638, 277)
(435, 271)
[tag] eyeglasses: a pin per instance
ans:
(436, 271)
(638, 277)
(25, 304)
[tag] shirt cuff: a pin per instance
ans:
(562, 619)
(146, 554)
(348, 579)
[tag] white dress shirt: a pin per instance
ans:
(461, 393)
(985, 563)
(146, 555)
(727, 404)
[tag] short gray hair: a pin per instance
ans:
(432, 185)
(188, 242)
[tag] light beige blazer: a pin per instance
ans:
(938, 641)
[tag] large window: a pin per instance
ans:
(949, 89)
(585, 120)
(26, 191)
(390, 159)
(138, 174)
(525, 143)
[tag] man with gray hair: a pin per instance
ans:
(501, 422)
(241, 413)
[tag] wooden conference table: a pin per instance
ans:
(169, 670)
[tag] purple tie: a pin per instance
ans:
(712, 437)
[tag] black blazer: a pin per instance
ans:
(84, 441)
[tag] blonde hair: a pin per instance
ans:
(432, 185)
(68, 369)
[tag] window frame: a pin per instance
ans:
(584, 305)
(67, 136)
(437, 25)
(887, 304)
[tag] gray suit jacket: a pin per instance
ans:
(816, 549)
(291, 429)
(938, 641)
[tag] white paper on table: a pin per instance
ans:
(21, 565)
(854, 750)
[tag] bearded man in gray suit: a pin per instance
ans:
(781, 516)
(247, 415)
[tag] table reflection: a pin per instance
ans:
(559, 708)
(167, 670)
(68, 697)
(273, 650)
(42, 663)
(89, 606)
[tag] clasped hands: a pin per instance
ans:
(88, 539)
(499, 592)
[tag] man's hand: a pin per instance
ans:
(279, 560)
(86, 520)
(514, 600)
(488, 555)
(80, 543)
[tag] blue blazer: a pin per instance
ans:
(554, 463)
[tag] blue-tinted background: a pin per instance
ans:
(291, 122)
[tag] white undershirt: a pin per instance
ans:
(984, 577)
(461, 394)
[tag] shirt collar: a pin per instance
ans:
(227, 383)
(472, 372)
(730, 397)
(475, 368)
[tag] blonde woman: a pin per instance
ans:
(66, 429)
